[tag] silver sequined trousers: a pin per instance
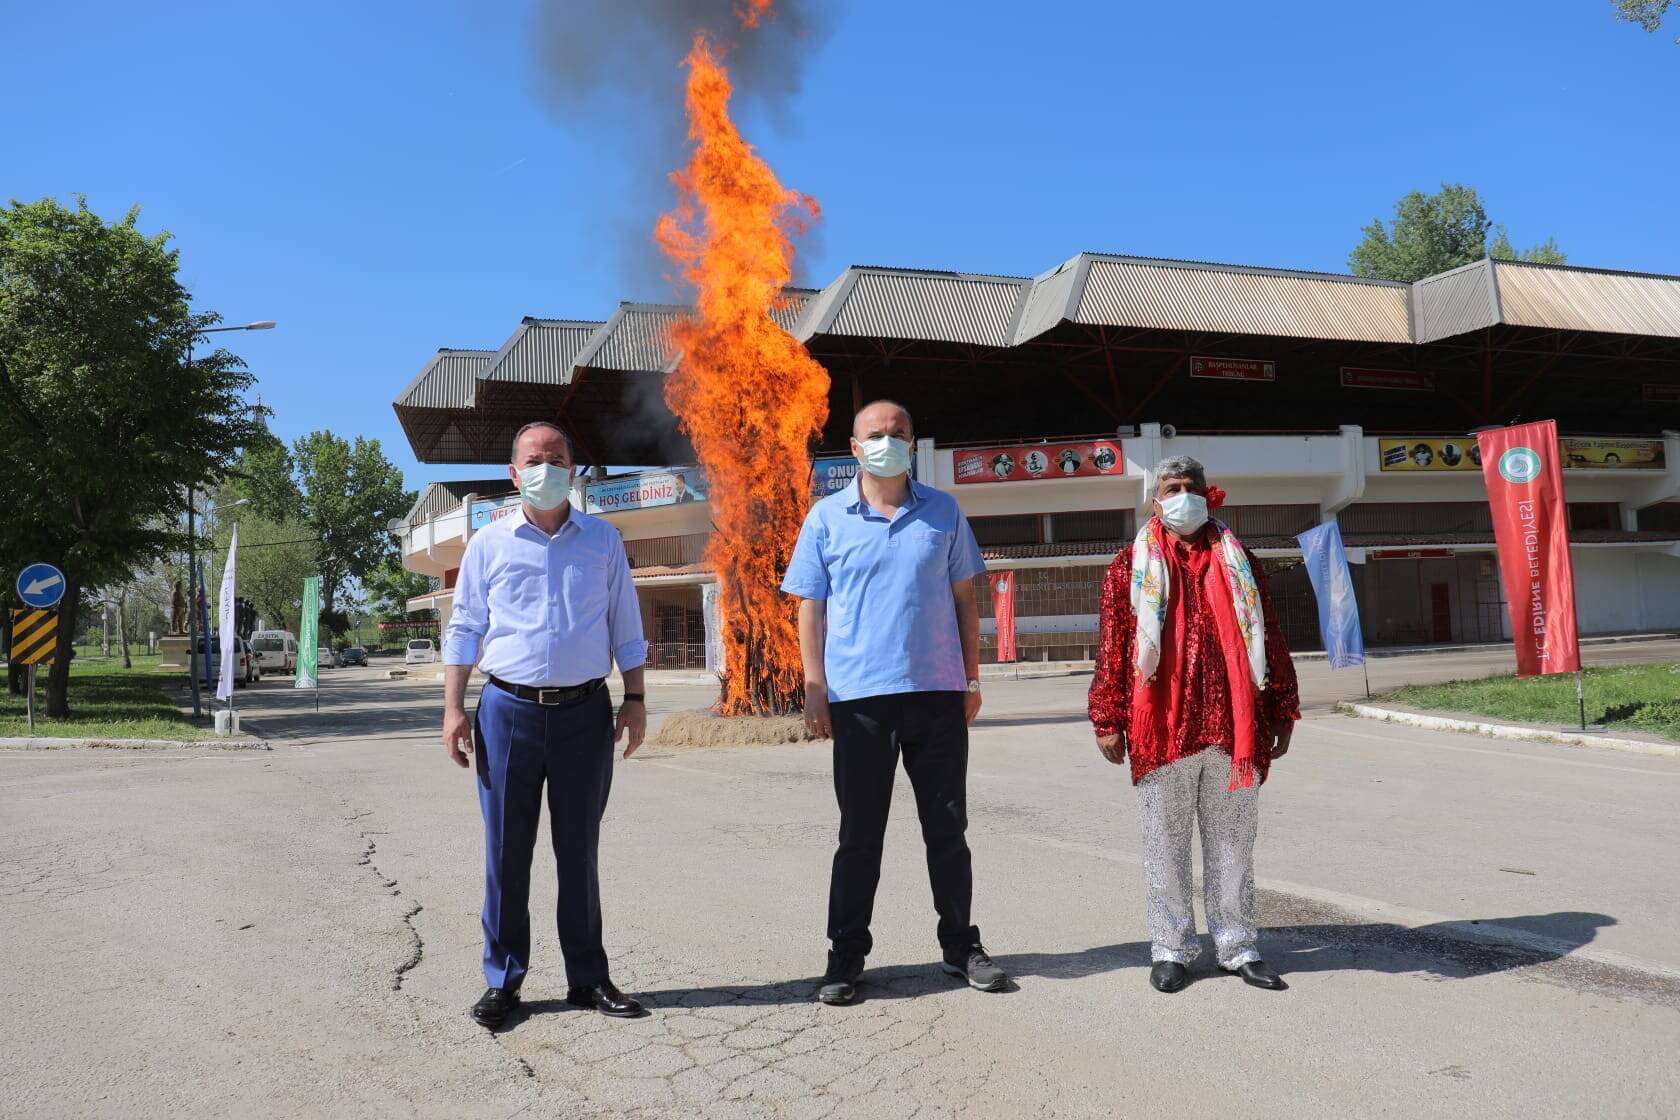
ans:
(1171, 801)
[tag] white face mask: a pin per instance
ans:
(1184, 512)
(545, 485)
(885, 456)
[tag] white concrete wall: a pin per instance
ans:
(1626, 589)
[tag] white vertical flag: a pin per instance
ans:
(225, 623)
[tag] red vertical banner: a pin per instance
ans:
(1003, 611)
(1524, 477)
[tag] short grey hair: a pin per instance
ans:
(513, 453)
(1181, 466)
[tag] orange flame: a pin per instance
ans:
(746, 392)
(750, 12)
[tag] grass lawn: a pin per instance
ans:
(1644, 698)
(106, 701)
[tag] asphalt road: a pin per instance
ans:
(1468, 926)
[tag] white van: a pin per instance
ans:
(276, 650)
(420, 651)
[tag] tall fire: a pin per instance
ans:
(746, 392)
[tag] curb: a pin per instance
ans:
(47, 744)
(1509, 731)
(1482, 647)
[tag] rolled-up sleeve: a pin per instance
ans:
(965, 561)
(624, 613)
(469, 618)
(807, 572)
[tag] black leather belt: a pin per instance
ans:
(549, 697)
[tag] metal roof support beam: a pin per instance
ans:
(1163, 381)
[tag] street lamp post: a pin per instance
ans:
(192, 557)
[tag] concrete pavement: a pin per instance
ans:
(1469, 926)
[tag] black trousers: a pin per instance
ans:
(929, 730)
(523, 746)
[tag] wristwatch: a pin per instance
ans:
(636, 696)
(974, 686)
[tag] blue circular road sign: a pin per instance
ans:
(40, 585)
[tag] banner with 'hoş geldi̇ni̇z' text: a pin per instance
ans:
(1524, 477)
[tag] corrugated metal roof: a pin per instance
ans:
(792, 305)
(541, 351)
(448, 380)
(634, 339)
(1163, 295)
(1053, 298)
(1586, 299)
(445, 497)
(903, 303)
(1456, 302)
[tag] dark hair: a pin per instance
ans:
(513, 453)
(908, 418)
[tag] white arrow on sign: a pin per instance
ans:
(41, 585)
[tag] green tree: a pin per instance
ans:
(1547, 252)
(389, 587)
(346, 494)
(274, 557)
(1430, 233)
(1646, 13)
(1433, 233)
(104, 423)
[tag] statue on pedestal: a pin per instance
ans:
(177, 611)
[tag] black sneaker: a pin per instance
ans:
(839, 983)
(974, 966)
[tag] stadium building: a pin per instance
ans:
(1042, 403)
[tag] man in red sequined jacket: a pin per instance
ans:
(1194, 684)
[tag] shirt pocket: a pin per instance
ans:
(931, 547)
(583, 588)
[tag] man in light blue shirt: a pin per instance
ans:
(889, 632)
(544, 605)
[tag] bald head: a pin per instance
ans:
(882, 418)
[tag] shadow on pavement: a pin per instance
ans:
(349, 708)
(1031, 720)
(898, 981)
(1447, 950)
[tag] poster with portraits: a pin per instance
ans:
(1035, 462)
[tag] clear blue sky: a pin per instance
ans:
(385, 178)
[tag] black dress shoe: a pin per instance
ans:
(839, 983)
(1260, 975)
(1168, 976)
(493, 1006)
(606, 999)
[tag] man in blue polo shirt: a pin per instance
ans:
(889, 632)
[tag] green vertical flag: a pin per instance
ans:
(308, 672)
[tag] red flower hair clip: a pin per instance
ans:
(1215, 497)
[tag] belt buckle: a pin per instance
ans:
(542, 696)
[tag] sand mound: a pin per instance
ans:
(702, 728)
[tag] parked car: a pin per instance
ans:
(420, 651)
(352, 655)
(276, 650)
(325, 658)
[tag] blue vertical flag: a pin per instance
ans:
(203, 608)
(1338, 610)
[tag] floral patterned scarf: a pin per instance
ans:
(1150, 591)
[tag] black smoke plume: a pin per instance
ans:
(611, 71)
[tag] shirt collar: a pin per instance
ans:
(520, 521)
(856, 504)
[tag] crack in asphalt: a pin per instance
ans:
(760, 1050)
